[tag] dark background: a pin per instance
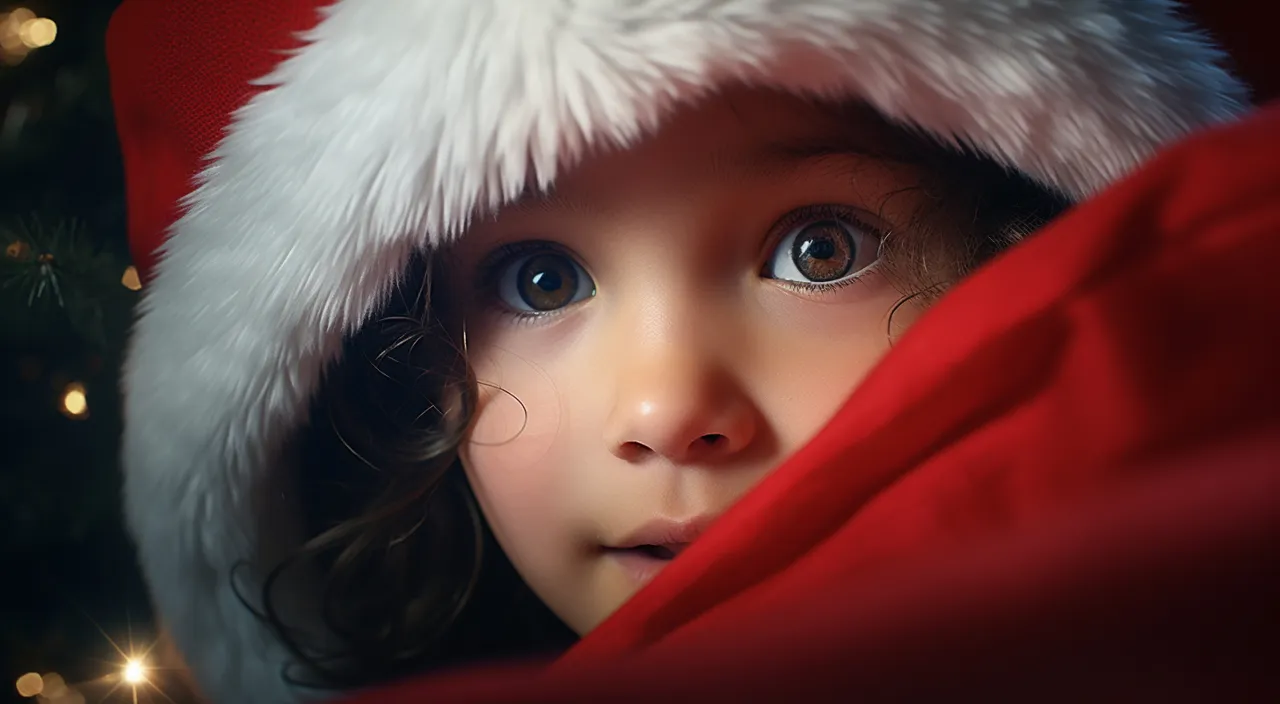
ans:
(70, 580)
(71, 591)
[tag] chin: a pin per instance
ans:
(586, 604)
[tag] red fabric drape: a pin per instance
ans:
(1065, 481)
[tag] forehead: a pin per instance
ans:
(738, 133)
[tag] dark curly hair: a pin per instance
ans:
(412, 577)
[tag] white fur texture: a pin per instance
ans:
(399, 121)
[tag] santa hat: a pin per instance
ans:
(285, 159)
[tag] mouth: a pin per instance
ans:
(665, 533)
(646, 551)
(655, 552)
(641, 563)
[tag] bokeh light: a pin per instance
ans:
(22, 31)
(54, 686)
(75, 402)
(30, 685)
(39, 32)
(130, 279)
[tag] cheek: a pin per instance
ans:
(519, 411)
(815, 353)
(514, 456)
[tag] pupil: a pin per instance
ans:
(547, 280)
(819, 248)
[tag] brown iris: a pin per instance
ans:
(823, 251)
(547, 282)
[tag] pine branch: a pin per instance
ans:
(52, 274)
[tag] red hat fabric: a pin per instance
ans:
(284, 160)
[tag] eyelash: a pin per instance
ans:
(497, 261)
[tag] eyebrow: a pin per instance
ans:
(784, 156)
(550, 198)
(771, 160)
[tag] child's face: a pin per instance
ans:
(669, 326)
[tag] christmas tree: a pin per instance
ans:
(66, 296)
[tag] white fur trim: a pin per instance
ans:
(399, 120)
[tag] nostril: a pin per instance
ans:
(632, 451)
(701, 448)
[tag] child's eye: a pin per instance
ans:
(822, 247)
(535, 279)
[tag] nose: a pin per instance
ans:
(677, 403)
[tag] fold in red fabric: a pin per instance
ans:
(1063, 482)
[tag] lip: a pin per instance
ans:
(639, 567)
(675, 534)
